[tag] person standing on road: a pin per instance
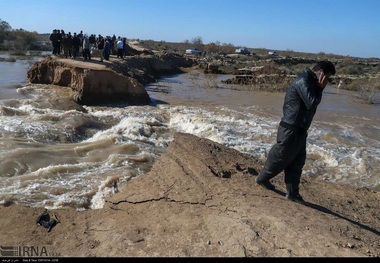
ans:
(86, 48)
(124, 46)
(54, 40)
(120, 48)
(101, 47)
(67, 44)
(107, 48)
(289, 153)
(75, 46)
(60, 35)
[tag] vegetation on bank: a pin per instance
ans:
(357, 74)
(18, 41)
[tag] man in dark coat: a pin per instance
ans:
(289, 153)
(54, 40)
(75, 45)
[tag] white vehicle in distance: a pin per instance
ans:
(272, 53)
(243, 51)
(193, 51)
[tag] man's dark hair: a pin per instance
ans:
(326, 66)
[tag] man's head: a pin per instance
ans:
(324, 70)
(326, 66)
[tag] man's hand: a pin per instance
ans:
(322, 79)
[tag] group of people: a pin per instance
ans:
(73, 46)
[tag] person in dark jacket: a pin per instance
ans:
(54, 40)
(101, 44)
(86, 48)
(75, 45)
(107, 49)
(67, 44)
(289, 153)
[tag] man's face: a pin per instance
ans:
(323, 78)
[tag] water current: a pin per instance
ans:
(54, 153)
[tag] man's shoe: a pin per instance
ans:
(295, 198)
(266, 184)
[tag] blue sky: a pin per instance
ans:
(343, 27)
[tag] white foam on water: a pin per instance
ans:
(133, 137)
(107, 188)
(335, 156)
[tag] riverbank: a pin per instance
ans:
(198, 200)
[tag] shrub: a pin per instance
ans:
(365, 88)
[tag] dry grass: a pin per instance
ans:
(365, 88)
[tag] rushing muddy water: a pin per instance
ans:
(55, 155)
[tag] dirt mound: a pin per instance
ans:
(117, 80)
(200, 200)
(91, 82)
